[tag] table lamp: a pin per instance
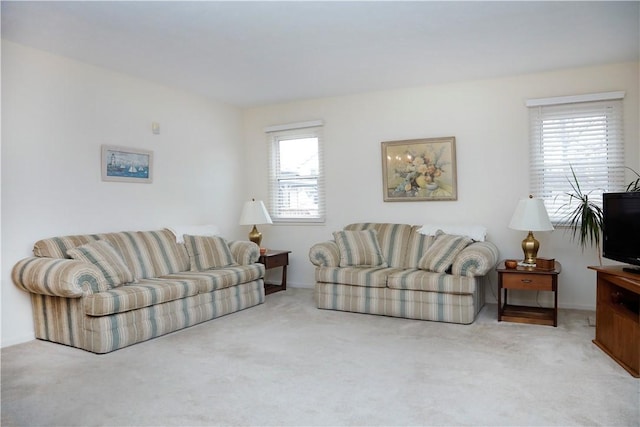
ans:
(530, 215)
(254, 213)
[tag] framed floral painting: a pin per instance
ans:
(419, 170)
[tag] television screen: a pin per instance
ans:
(621, 227)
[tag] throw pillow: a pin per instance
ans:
(359, 248)
(443, 251)
(207, 252)
(106, 257)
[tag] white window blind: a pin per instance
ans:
(296, 173)
(585, 136)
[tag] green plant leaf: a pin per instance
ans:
(584, 218)
(633, 185)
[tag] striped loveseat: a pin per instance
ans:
(83, 303)
(409, 274)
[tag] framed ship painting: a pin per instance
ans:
(125, 164)
(419, 170)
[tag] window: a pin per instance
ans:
(580, 132)
(296, 178)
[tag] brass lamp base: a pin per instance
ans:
(530, 248)
(256, 237)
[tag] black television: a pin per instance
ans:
(621, 228)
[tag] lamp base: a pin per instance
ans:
(255, 236)
(530, 248)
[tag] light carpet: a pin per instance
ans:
(287, 363)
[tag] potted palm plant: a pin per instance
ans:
(584, 219)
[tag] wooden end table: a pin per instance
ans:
(528, 279)
(273, 259)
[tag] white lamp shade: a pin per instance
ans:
(531, 215)
(254, 213)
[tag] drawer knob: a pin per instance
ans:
(527, 280)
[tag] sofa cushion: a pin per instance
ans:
(442, 252)
(421, 280)
(392, 238)
(375, 277)
(57, 247)
(206, 252)
(108, 260)
(130, 244)
(145, 293)
(417, 246)
(211, 280)
(167, 256)
(134, 251)
(359, 249)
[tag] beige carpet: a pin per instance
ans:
(288, 363)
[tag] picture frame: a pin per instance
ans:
(125, 164)
(418, 170)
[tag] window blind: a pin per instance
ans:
(296, 172)
(585, 136)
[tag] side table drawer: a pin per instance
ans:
(527, 281)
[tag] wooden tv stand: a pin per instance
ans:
(618, 316)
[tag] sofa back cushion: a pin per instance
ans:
(417, 246)
(148, 254)
(393, 240)
(134, 251)
(359, 248)
(57, 247)
(167, 255)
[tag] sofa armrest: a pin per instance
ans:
(325, 254)
(475, 260)
(244, 252)
(58, 277)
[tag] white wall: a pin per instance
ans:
(55, 115)
(490, 122)
(57, 112)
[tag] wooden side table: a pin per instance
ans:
(273, 259)
(529, 279)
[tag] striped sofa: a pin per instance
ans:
(403, 284)
(75, 303)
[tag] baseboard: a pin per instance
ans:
(16, 341)
(299, 285)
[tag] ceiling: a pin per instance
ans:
(254, 53)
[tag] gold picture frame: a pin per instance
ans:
(418, 170)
